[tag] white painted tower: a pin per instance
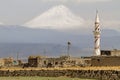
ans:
(97, 36)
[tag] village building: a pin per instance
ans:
(1, 62)
(105, 61)
(114, 52)
(9, 62)
(63, 61)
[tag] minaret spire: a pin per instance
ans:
(97, 35)
(97, 17)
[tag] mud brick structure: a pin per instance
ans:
(63, 61)
(105, 61)
(114, 52)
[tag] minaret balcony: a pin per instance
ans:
(96, 32)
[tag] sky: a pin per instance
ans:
(19, 12)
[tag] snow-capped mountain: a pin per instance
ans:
(57, 17)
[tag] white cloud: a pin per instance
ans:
(77, 1)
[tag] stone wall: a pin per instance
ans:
(98, 74)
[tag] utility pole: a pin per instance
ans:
(68, 48)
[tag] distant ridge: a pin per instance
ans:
(29, 41)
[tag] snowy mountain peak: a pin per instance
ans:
(60, 9)
(58, 17)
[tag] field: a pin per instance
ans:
(41, 78)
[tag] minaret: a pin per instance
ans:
(97, 36)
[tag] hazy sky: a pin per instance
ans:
(18, 12)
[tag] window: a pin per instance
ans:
(98, 60)
(56, 63)
(44, 62)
